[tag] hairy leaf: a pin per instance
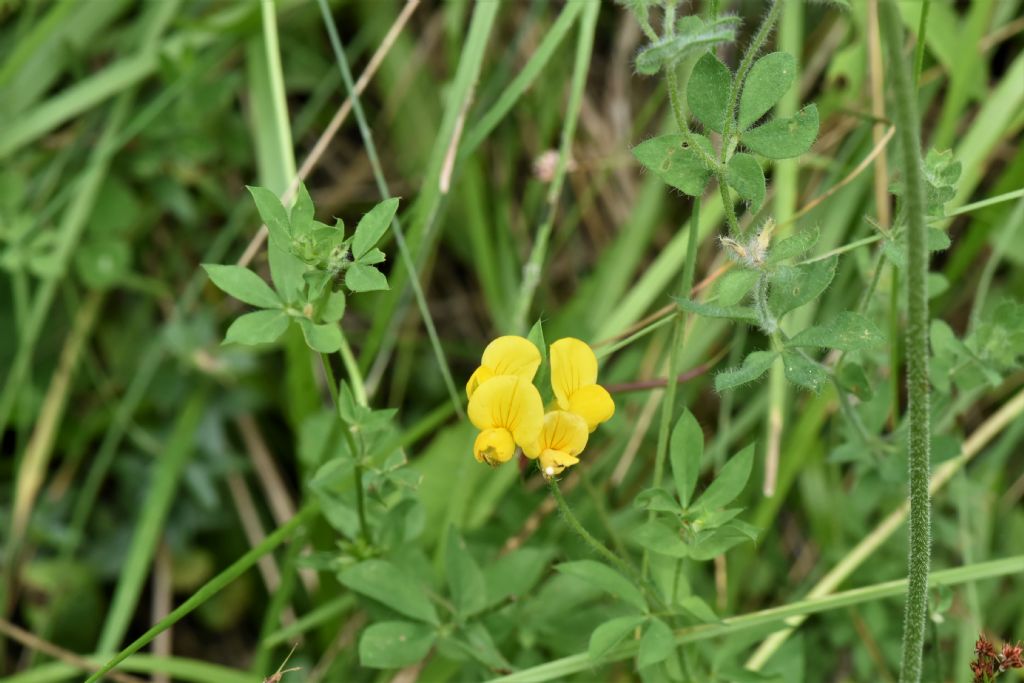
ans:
(670, 158)
(848, 331)
(754, 365)
(707, 91)
(784, 138)
(768, 80)
(744, 175)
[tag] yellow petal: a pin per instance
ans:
(479, 376)
(511, 355)
(573, 365)
(494, 446)
(594, 404)
(562, 431)
(508, 402)
(552, 462)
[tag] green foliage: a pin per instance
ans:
(671, 158)
(754, 365)
(391, 586)
(607, 579)
(784, 138)
(708, 92)
(395, 644)
(769, 79)
(745, 176)
(692, 36)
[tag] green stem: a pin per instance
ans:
(919, 441)
(211, 588)
(355, 376)
(346, 430)
(535, 264)
(675, 354)
(574, 523)
(385, 192)
(922, 29)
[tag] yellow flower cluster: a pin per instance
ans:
(507, 408)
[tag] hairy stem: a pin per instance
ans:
(909, 136)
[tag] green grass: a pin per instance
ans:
(130, 134)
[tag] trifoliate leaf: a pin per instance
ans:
(707, 91)
(670, 158)
(744, 175)
(784, 138)
(768, 80)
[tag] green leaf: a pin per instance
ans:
(259, 327)
(692, 36)
(698, 609)
(395, 644)
(363, 278)
(243, 284)
(515, 574)
(803, 372)
(686, 450)
(734, 286)
(852, 378)
(670, 158)
(743, 314)
(711, 544)
(372, 227)
(334, 307)
(301, 219)
(321, 338)
(656, 644)
(848, 331)
(610, 633)
(657, 499)
(272, 214)
(287, 271)
(784, 138)
(707, 91)
(658, 538)
(390, 586)
(373, 256)
(103, 264)
(754, 365)
(607, 579)
(793, 287)
(465, 580)
(794, 246)
(768, 80)
(744, 175)
(730, 481)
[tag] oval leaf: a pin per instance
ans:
(658, 538)
(745, 176)
(242, 284)
(707, 91)
(670, 158)
(768, 80)
(803, 372)
(394, 644)
(754, 365)
(321, 338)
(656, 645)
(793, 287)
(390, 586)
(730, 481)
(363, 278)
(372, 227)
(609, 634)
(607, 579)
(848, 331)
(686, 450)
(784, 138)
(258, 327)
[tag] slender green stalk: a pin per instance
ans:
(385, 192)
(675, 354)
(346, 430)
(574, 523)
(922, 29)
(535, 264)
(561, 668)
(918, 387)
(212, 587)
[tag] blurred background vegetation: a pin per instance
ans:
(135, 445)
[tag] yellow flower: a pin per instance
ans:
(509, 355)
(574, 380)
(508, 411)
(561, 440)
